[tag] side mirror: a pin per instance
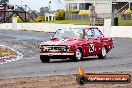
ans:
(85, 37)
(51, 38)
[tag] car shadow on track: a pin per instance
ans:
(68, 60)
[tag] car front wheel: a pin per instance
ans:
(103, 53)
(78, 55)
(44, 59)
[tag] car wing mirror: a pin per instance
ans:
(51, 38)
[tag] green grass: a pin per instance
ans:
(76, 22)
(86, 22)
(125, 22)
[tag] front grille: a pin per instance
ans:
(53, 48)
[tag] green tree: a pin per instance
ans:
(43, 10)
(40, 19)
(60, 15)
(19, 20)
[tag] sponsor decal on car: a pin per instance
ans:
(55, 42)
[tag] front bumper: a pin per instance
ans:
(57, 55)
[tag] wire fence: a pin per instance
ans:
(124, 19)
(124, 16)
(73, 16)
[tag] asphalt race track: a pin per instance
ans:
(119, 59)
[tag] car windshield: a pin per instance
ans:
(75, 33)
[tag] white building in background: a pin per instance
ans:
(84, 4)
(49, 16)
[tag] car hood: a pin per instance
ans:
(63, 42)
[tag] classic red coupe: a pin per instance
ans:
(75, 44)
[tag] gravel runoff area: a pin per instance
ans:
(7, 54)
(23, 41)
(65, 81)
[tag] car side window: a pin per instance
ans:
(97, 33)
(90, 33)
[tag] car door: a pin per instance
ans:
(92, 42)
(98, 36)
(107, 41)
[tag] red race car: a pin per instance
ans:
(75, 44)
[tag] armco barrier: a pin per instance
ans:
(116, 31)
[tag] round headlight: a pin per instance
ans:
(64, 49)
(43, 49)
(39, 46)
(67, 48)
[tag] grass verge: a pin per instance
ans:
(76, 22)
(6, 52)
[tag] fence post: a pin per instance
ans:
(14, 23)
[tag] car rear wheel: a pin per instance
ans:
(44, 59)
(78, 55)
(103, 53)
